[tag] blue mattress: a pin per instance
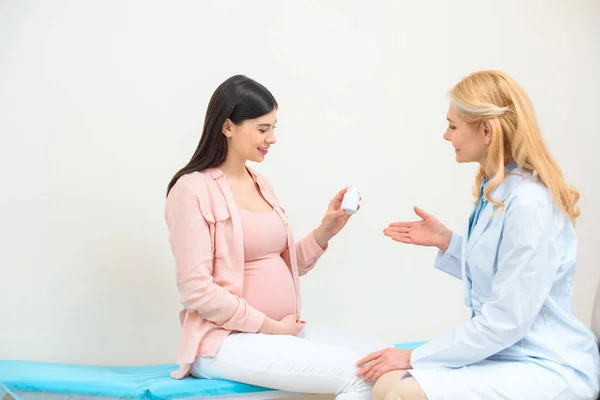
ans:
(143, 382)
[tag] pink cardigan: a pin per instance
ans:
(206, 239)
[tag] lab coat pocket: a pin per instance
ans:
(482, 265)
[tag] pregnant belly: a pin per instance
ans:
(269, 287)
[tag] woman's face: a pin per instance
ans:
(470, 140)
(251, 139)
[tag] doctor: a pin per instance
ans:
(516, 259)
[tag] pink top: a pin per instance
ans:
(268, 282)
(207, 241)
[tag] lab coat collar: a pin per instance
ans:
(514, 177)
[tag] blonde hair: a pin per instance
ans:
(495, 97)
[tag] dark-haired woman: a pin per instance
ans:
(238, 265)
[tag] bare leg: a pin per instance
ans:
(391, 386)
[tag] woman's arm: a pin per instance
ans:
(192, 246)
(520, 287)
(308, 251)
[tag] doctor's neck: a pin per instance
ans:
(489, 171)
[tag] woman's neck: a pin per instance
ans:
(234, 168)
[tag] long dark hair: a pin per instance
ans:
(238, 98)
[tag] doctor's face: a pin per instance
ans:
(470, 140)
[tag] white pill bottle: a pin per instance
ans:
(351, 200)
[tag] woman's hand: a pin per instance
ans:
(427, 232)
(384, 361)
(334, 220)
(289, 325)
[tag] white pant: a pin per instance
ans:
(318, 360)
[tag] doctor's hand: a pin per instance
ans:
(383, 361)
(334, 220)
(426, 232)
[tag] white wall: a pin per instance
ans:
(102, 101)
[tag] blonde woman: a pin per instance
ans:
(516, 258)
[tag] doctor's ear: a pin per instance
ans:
(487, 131)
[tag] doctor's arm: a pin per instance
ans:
(449, 260)
(429, 231)
(520, 287)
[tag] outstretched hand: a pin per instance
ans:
(426, 232)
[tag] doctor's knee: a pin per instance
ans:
(391, 386)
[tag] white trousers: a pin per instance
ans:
(318, 360)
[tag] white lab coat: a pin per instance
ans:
(523, 341)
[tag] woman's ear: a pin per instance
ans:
(487, 131)
(227, 128)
